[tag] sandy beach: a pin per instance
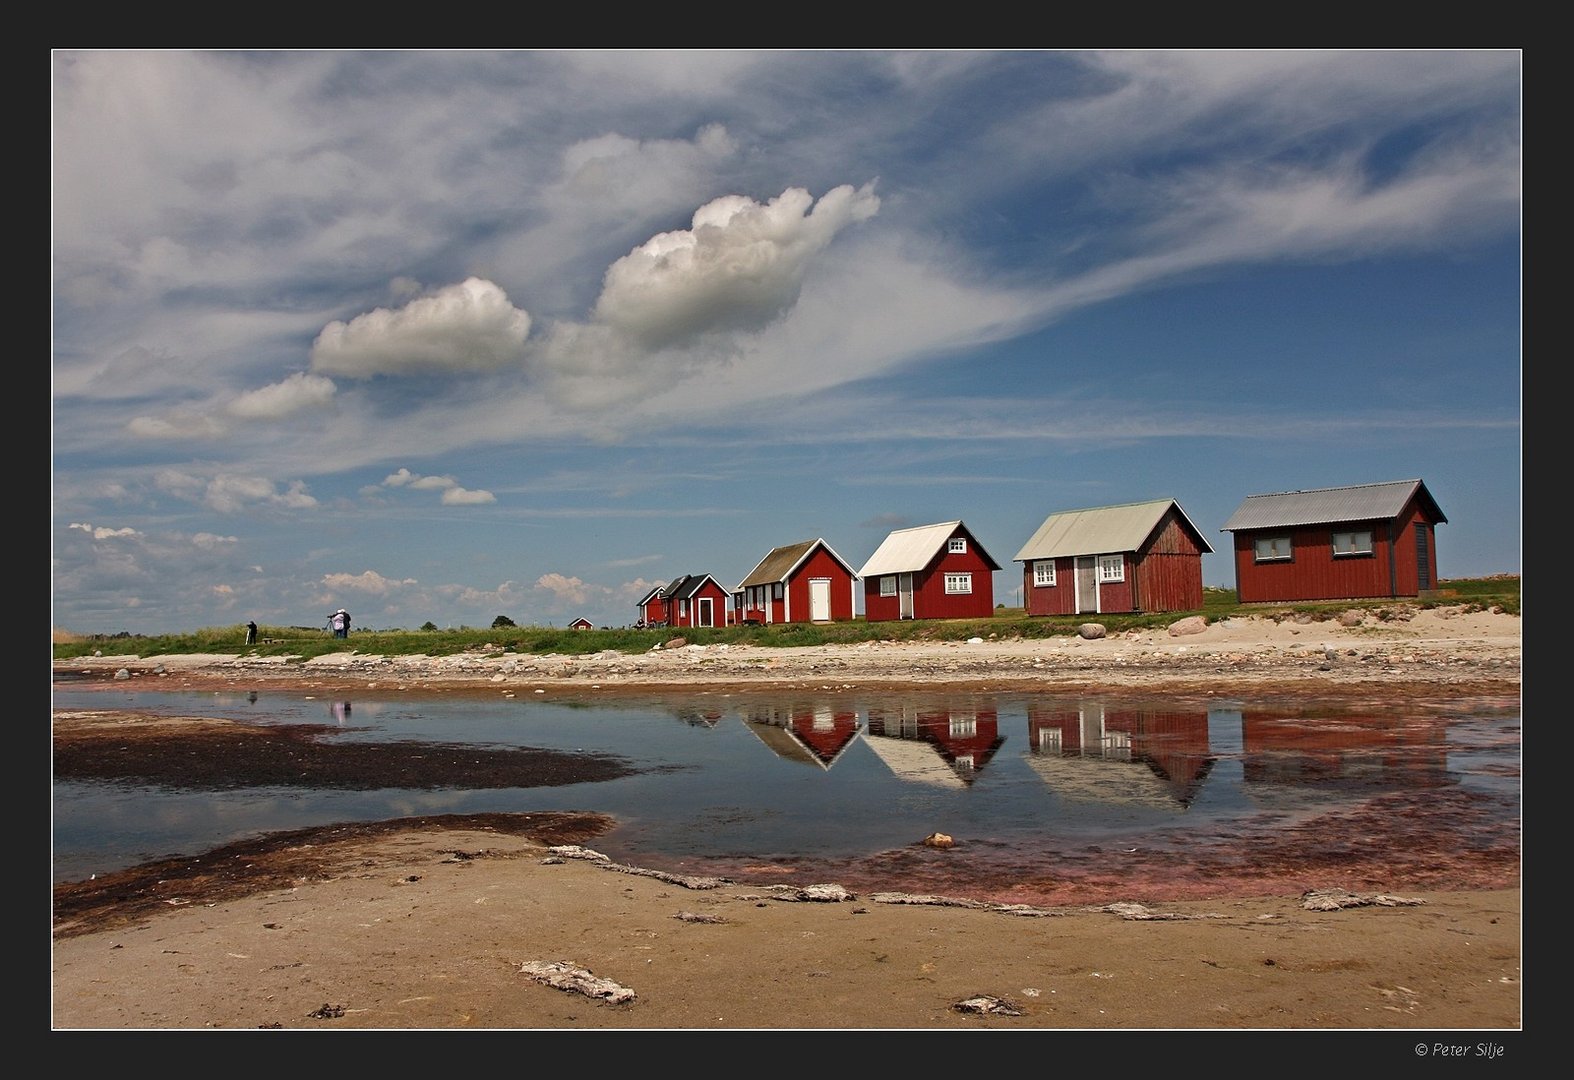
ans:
(460, 924)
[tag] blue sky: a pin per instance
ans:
(442, 336)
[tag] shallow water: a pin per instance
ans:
(839, 775)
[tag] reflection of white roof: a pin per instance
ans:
(1096, 779)
(914, 759)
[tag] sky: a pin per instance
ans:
(442, 336)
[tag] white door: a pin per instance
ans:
(820, 599)
(904, 596)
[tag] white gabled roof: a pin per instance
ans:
(906, 551)
(1102, 530)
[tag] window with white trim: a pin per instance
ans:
(888, 585)
(1271, 548)
(959, 583)
(1043, 573)
(958, 545)
(776, 590)
(1353, 542)
(1112, 568)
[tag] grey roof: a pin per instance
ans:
(779, 564)
(1326, 506)
(907, 550)
(1102, 530)
(686, 586)
(1087, 778)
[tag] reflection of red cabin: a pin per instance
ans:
(1343, 543)
(581, 624)
(1140, 557)
(817, 732)
(965, 734)
(1372, 751)
(802, 582)
(929, 572)
(1171, 743)
(695, 600)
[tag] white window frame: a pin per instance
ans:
(1349, 542)
(1112, 568)
(959, 584)
(1276, 548)
(957, 545)
(888, 585)
(1043, 573)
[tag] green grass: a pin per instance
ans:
(304, 642)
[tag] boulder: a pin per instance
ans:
(1192, 624)
(1091, 630)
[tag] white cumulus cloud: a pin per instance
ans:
(739, 266)
(469, 327)
(299, 391)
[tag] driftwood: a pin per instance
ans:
(576, 980)
(1026, 910)
(988, 1005)
(1335, 899)
(1137, 911)
(694, 916)
(823, 894)
(574, 851)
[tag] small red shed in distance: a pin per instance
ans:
(929, 572)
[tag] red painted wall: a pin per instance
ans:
(718, 597)
(1165, 575)
(819, 564)
(930, 600)
(1314, 573)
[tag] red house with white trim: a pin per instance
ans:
(1137, 557)
(696, 600)
(1343, 543)
(802, 582)
(929, 572)
(653, 607)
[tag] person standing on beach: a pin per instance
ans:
(251, 632)
(340, 621)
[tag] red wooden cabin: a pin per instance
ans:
(1343, 543)
(1137, 557)
(929, 572)
(802, 582)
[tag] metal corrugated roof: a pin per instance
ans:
(1324, 506)
(908, 550)
(1102, 530)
